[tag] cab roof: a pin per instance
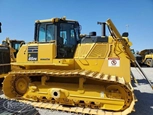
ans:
(53, 20)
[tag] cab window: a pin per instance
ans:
(46, 32)
(67, 40)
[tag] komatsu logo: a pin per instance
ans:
(32, 59)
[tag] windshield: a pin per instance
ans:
(16, 45)
(132, 50)
(69, 33)
(4, 43)
(46, 32)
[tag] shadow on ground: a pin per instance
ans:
(144, 103)
(141, 82)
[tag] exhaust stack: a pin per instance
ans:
(103, 28)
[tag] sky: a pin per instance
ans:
(135, 16)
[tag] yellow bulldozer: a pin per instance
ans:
(147, 57)
(8, 51)
(61, 71)
(5, 66)
(14, 46)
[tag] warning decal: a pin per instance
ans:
(113, 62)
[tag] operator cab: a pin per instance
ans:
(64, 33)
(15, 44)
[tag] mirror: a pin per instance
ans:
(125, 34)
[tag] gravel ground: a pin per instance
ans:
(142, 90)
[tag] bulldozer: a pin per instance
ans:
(8, 51)
(147, 57)
(14, 46)
(61, 70)
(5, 66)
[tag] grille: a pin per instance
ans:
(139, 58)
(84, 49)
(99, 51)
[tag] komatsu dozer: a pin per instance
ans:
(61, 71)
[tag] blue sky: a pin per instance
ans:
(18, 17)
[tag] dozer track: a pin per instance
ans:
(115, 98)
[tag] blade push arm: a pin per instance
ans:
(125, 42)
(116, 35)
(113, 30)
